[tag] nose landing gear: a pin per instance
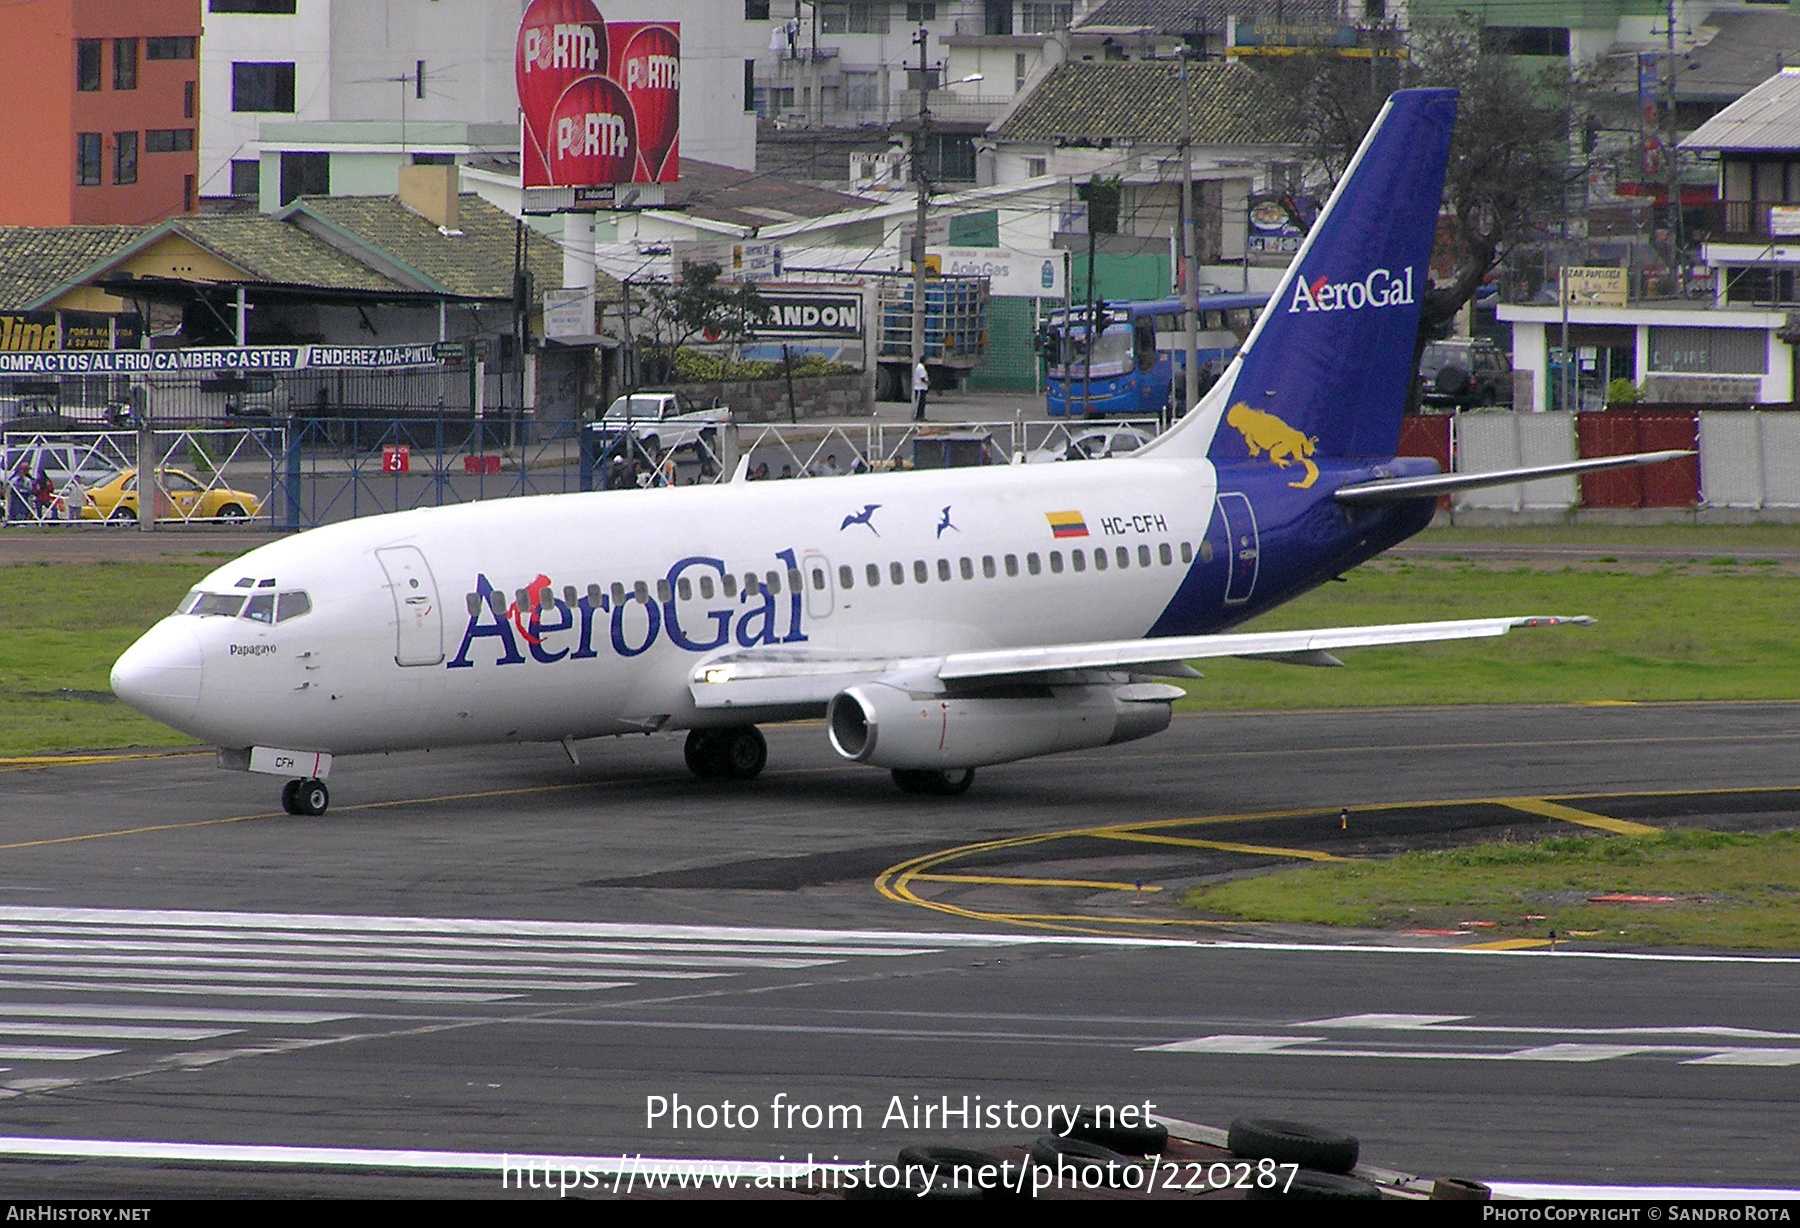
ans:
(305, 797)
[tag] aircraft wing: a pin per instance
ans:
(761, 678)
(1393, 490)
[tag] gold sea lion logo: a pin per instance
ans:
(1266, 433)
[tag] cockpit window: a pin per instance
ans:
(188, 602)
(261, 608)
(292, 605)
(219, 605)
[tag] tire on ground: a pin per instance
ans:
(1309, 1183)
(946, 1160)
(1054, 1151)
(1292, 1142)
(1147, 1140)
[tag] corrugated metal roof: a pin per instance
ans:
(1136, 100)
(1767, 118)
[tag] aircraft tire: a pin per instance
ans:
(912, 780)
(928, 780)
(290, 797)
(745, 752)
(1292, 1142)
(312, 798)
(704, 752)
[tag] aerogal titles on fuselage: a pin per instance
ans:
(549, 629)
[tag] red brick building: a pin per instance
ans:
(99, 111)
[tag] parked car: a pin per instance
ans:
(117, 498)
(1464, 371)
(1094, 444)
(662, 422)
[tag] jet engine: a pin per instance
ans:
(887, 726)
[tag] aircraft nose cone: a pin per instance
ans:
(160, 674)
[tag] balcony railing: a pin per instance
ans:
(1750, 221)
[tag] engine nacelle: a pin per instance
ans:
(886, 726)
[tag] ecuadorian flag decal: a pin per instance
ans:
(1066, 524)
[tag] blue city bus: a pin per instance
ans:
(1139, 352)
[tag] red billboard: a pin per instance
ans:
(600, 101)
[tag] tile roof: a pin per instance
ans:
(1136, 100)
(755, 198)
(36, 261)
(271, 250)
(1748, 49)
(478, 263)
(1768, 117)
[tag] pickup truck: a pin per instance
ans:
(663, 422)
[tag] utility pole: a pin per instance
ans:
(1670, 166)
(1190, 300)
(918, 169)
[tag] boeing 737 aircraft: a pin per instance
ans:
(940, 621)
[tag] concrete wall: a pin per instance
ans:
(816, 396)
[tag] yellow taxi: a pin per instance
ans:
(187, 499)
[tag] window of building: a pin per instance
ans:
(1018, 71)
(997, 17)
(869, 18)
(862, 90)
(262, 87)
(756, 10)
(834, 19)
(305, 174)
(187, 193)
(246, 177)
(87, 159)
(1525, 40)
(1036, 166)
(1039, 18)
(251, 6)
(917, 14)
(749, 85)
(169, 48)
(87, 65)
(1712, 351)
(125, 51)
(168, 140)
(187, 99)
(125, 157)
(950, 157)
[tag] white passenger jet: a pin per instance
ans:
(940, 620)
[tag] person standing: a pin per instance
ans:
(921, 385)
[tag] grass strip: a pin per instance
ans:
(1731, 890)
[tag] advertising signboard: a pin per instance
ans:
(739, 260)
(1010, 274)
(1595, 286)
(599, 102)
(803, 312)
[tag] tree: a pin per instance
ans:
(697, 305)
(1510, 155)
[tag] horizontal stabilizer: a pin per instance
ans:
(1395, 490)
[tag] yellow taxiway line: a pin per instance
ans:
(1586, 818)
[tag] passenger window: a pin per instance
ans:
(967, 567)
(1056, 562)
(818, 574)
(1100, 558)
(1124, 556)
(1143, 556)
(618, 594)
(594, 597)
(752, 585)
(683, 589)
(795, 584)
(773, 579)
(896, 573)
(1012, 564)
(1033, 564)
(292, 605)
(261, 608)
(728, 583)
(639, 589)
(921, 573)
(569, 596)
(1078, 560)
(1163, 553)
(474, 602)
(706, 588)
(497, 602)
(987, 566)
(220, 605)
(1187, 553)
(872, 573)
(846, 577)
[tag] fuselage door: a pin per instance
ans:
(821, 593)
(418, 615)
(1244, 552)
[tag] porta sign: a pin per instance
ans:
(599, 102)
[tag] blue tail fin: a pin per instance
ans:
(1330, 359)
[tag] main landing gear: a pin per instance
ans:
(735, 753)
(307, 797)
(925, 780)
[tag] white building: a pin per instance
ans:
(334, 96)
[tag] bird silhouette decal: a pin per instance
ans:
(864, 518)
(945, 524)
